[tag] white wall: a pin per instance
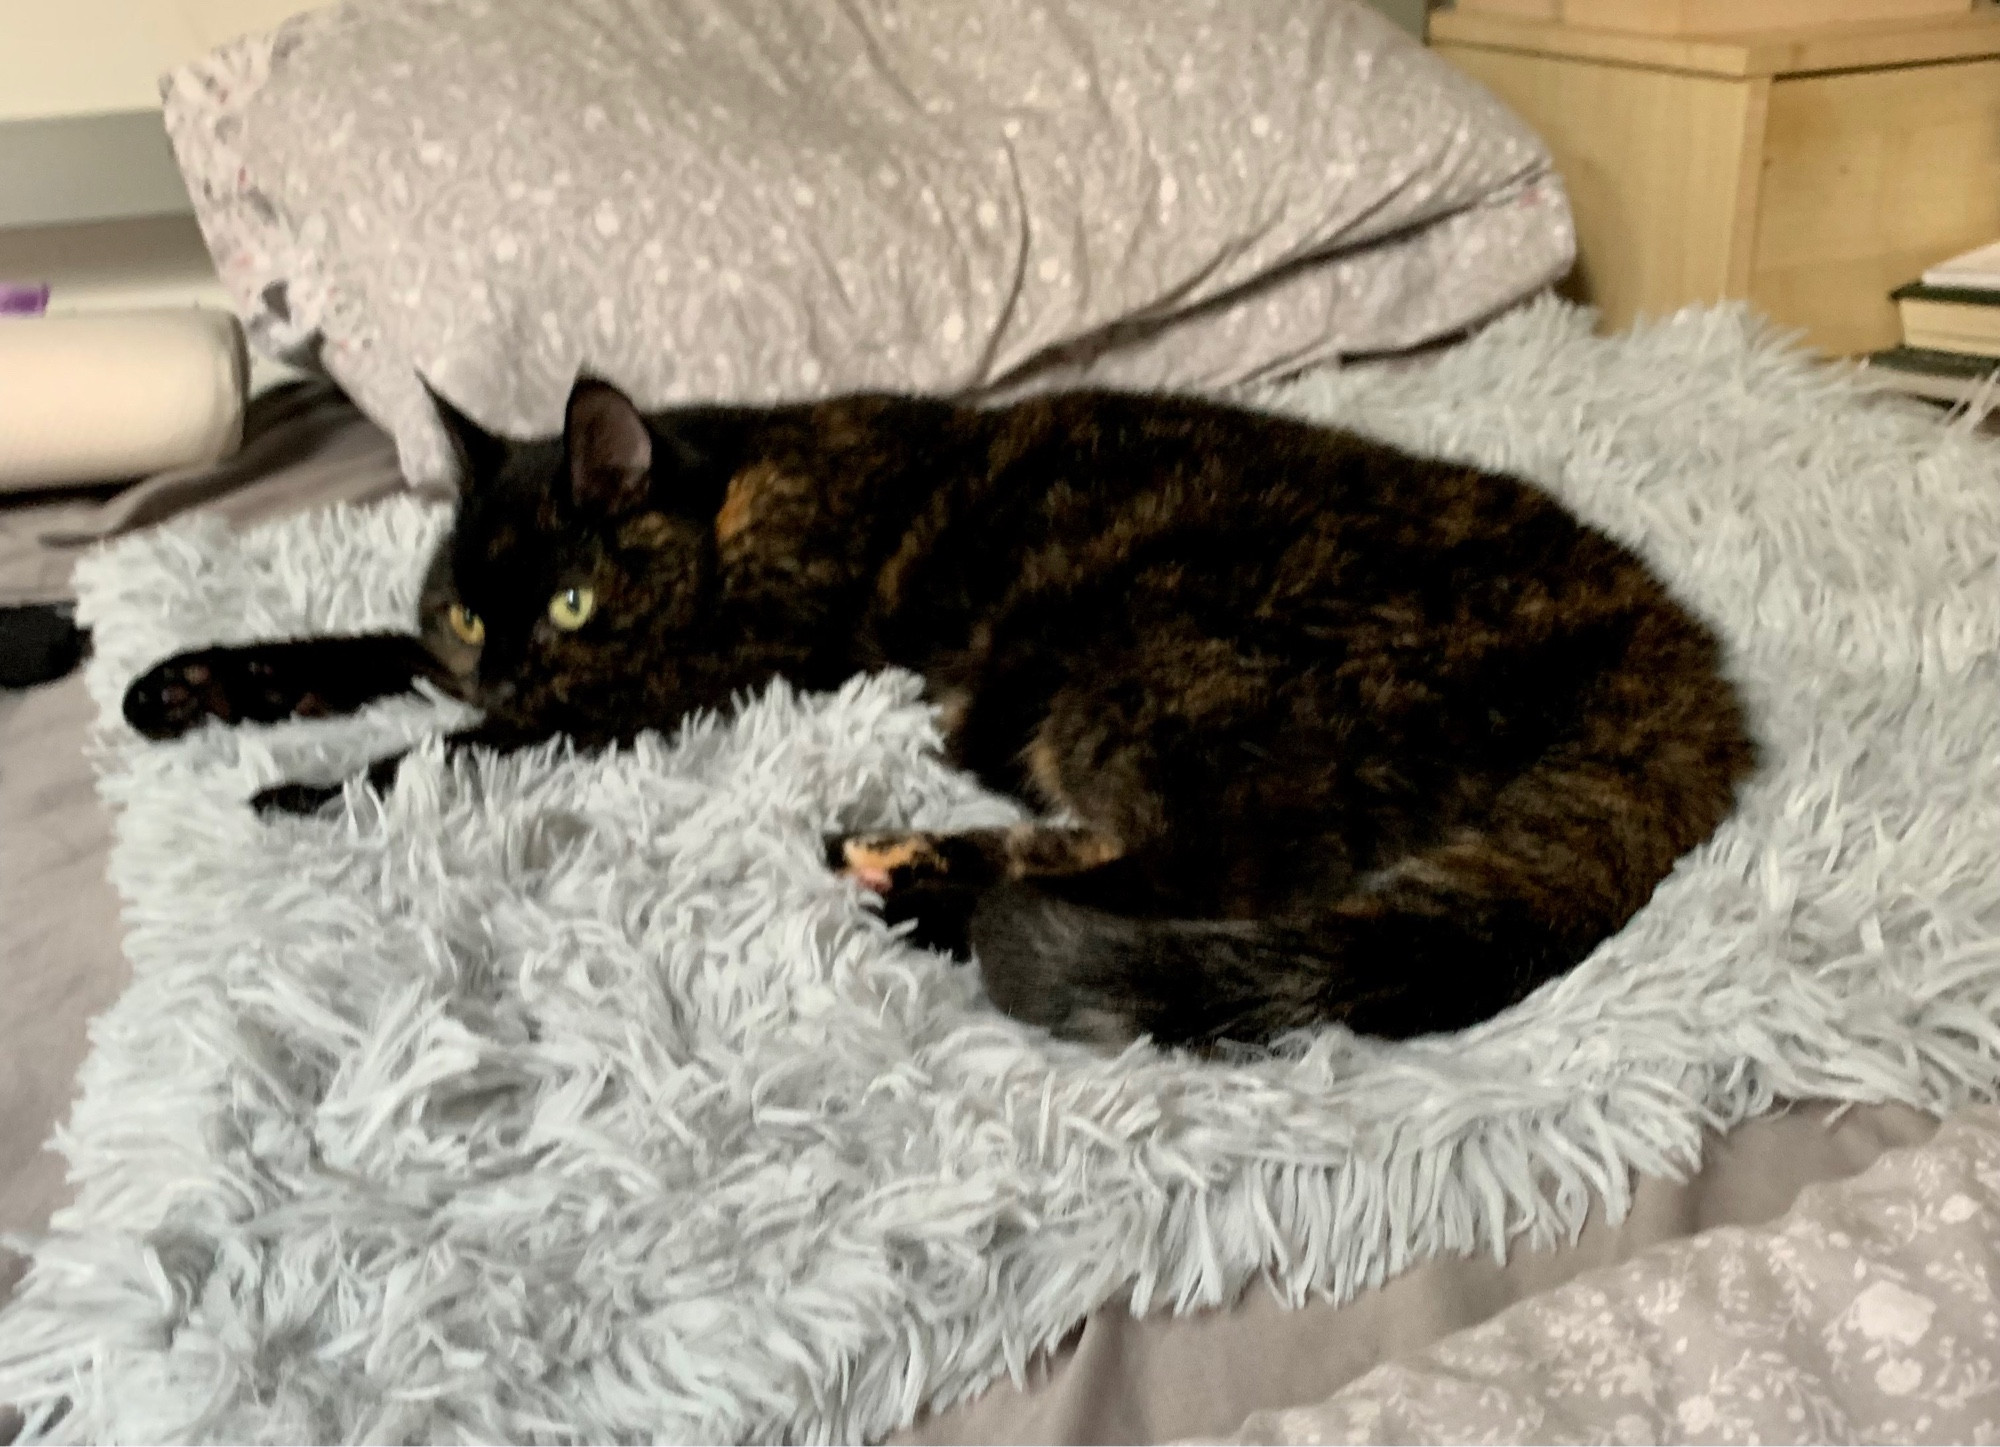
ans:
(86, 57)
(80, 132)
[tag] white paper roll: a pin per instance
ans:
(103, 396)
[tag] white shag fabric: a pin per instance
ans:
(569, 1098)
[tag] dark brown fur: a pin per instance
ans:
(1344, 734)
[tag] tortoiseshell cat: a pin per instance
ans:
(1328, 732)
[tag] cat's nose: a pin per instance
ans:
(498, 693)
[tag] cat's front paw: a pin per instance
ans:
(231, 684)
(172, 697)
(294, 798)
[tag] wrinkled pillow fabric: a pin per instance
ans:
(754, 200)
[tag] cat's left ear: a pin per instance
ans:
(609, 447)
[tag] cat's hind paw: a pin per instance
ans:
(311, 798)
(887, 863)
(294, 798)
(913, 875)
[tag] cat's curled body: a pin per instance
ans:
(1326, 732)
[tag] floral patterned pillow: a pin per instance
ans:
(751, 200)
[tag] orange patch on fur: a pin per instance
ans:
(872, 862)
(1035, 849)
(885, 853)
(1045, 771)
(739, 503)
(648, 530)
(951, 710)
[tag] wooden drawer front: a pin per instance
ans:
(1811, 195)
(1867, 177)
(1711, 17)
(1660, 169)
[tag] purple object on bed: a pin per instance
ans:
(23, 301)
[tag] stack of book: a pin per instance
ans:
(1951, 330)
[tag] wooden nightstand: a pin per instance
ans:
(1809, 171)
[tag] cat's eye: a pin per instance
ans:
(466, 624)
(569, 608)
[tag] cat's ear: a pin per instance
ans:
(478, 452)
(609, 447)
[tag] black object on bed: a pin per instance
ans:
(38, 642)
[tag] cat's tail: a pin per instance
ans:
(1440, 939)
(1089, 974)
(1392, 960)
(1445, 939)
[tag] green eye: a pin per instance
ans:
(569, 608)
(466, 624)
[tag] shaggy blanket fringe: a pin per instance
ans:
(556, 1097)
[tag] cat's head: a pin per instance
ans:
(576, 575)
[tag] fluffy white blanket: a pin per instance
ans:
(571, 1098)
